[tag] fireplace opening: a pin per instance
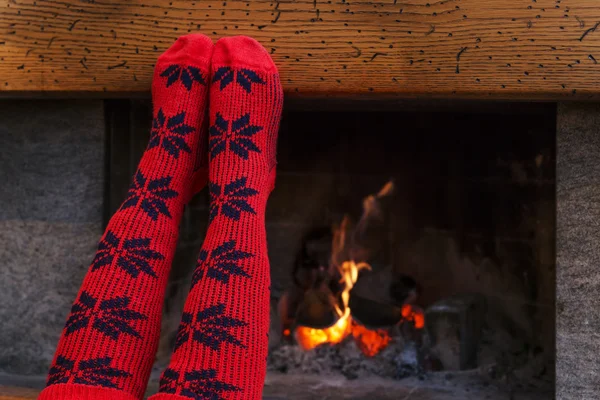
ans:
(411, 249)
(414, 246)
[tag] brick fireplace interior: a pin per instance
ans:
(471, 222)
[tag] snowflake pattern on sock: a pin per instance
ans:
(230, 200)
(210, 327)
(238, 139)
(134, 255)
(187, 75)
(223, 263)
(151, 195)
(170, 133)
(244, 77)
(112, 317)
(198, 385)
(94, 372)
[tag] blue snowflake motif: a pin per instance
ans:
(187, 75)
(151, 194)
(171, 136)
(198, 385)
(112, 317)
(224, 262)
(244, 77)
(93, 372)
(132, 255)
(238, 138)
(211, 327)
(230, 200)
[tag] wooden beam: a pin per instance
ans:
(440, 48)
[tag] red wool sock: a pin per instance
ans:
(109, 342)
(221, 346)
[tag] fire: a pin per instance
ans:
(370, 342)
(309, 338)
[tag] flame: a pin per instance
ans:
(309, 338)
(370, 342)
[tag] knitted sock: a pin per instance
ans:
(109, 342)
(221, 346)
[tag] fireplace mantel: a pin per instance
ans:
(527, 49)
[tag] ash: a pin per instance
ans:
(398, 360)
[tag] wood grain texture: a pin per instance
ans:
(456, 48)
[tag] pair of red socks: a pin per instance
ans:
(108, 345)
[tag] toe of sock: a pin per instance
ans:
(195, 46)
(242, 51)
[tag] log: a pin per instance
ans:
(500, 49)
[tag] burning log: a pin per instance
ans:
(310, 300)
(309, 337)
(318, 309)
(325, 315)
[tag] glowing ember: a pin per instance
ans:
(370, 342)
(413, 314)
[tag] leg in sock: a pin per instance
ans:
(109, 343)
(221, 346)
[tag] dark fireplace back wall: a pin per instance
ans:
(473, 211)
(474, 207)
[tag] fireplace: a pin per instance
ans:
(440, 219)
(424, 230)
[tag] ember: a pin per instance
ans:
(370, 342)
(410, 313)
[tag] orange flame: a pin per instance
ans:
(370, 342)
(309, 338)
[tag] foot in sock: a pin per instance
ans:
(221, 346)
(109, 342)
